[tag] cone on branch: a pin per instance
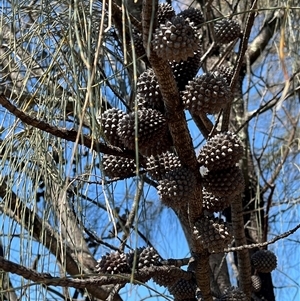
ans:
(184, 71)
(226, 30)
(165, 12)
(183, 289)
(159, 165)
(176, 40)
(225, 72)
(213, 234)
(264, 261)
(117, 166)
(212, 203)
(109, 121)
(143, 257)
(225, 182)
(176, 186)
(152, 136)
(221, 151)
(255, 283)
(167, 277)
(113, 263)
(193, 14)
(148, 92)
(208, 93)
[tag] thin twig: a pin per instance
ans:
(263, 244)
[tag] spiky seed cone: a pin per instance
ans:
(195, 15)
(256, 283)
(167, 277)
(186, 70)
(152, 132)
(118, 167)
(158, 166)
(226, 31)
(145, 257)
(207, 93)
(264, 261)
(224, 183)
(176, 40)
(225, 72)
(165, 12)
(211, 203)
(138, 43)
(183, 289)
(221, 151)
(213, 234)
(176, 187)
(109, 121)
(233, 294)
(113, 263)
(148, 90)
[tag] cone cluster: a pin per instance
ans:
(264, 261)
(213, 234)
(117, 262)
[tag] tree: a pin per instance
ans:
(115, 116)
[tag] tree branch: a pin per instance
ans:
(69, 135)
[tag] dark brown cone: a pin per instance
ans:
(264, 261)
(176, 40)
(138, 43)
(211, 203)
(226, 73)
(118, 167)
(183, 289)
(256, 283)
(109, 121)
(207, 93)
(158, 166)
(233, 294)
(213, 234)
(226, 31)
(224, 183)
(153, 136)
(221, 151)
(184, 71)
(113, 263)
(176, 187)
(149, 95)
(167, 277)
(145, 257)
(195, 15)
(165, 12)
